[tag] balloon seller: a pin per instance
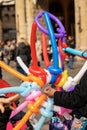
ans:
(75, 100)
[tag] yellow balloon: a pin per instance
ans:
(60, 64)
(63, 79)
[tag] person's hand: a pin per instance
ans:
(3, 102)
(49, 91)
(6, 102)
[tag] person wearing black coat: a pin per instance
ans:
(4, 117)
(24, 52)
(75, 100)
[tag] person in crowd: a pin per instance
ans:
(13, 49)
(24, 52)
(71, 44)
(75, 100)
(7, 52)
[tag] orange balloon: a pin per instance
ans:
(33, 108)
(21, 76)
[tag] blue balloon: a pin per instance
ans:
(24, 89)
(73, 51)
(55, 70)
(46, 113)
(84, 54)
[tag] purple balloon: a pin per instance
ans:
(71, 88)
(61, 30)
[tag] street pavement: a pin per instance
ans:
(13, 81)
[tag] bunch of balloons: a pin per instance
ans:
(37, 77)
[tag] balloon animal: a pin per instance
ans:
(37, 77)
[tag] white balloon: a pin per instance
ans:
(68, 83)
(73, 81)
(23, 66)
(48, 76)
(81, 73)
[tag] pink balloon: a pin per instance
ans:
(30, 98)
(9, 126)
(64, 110)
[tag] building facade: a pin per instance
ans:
(7, 20)
(72, 14)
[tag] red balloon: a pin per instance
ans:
(4, 84)
(44, 50)
(62, 53)
(35, 69)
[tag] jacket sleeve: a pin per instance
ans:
(74, 99)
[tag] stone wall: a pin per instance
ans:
(81, 24)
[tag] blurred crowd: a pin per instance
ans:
(70, 57)
(7, 50)
(10, 49)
